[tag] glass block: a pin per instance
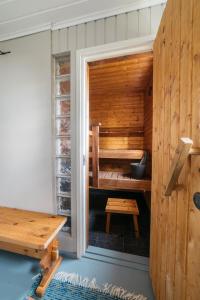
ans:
(67, 227)
(63, 185)
(63, 146)
(62, 87)
(64, 205)
(63, 65)
(63, 126)
(63, 166)
(62, 107)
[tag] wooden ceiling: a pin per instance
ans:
(125, 74)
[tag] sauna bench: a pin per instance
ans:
(32, 234)
(119, 181)
(120, 154)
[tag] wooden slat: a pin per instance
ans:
(185, 130)
(120, 154)
(193, 234)
(160, 160)
(174, 139)
(166, 65)
(124, 184)
(123, 132)
(118, 180)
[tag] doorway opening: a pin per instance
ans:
(120, 152)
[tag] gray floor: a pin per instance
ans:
(128, 271)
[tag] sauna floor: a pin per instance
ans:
(121, 237)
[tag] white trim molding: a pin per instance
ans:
(84, 56)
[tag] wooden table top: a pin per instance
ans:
(122, 206)
(29, 229)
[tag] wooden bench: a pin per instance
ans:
(32, 234)
(122, 206)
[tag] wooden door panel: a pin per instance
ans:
(175, 221)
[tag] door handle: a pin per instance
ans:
(196, 199)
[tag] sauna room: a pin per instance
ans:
(120, 152)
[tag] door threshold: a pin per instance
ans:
(118, 258)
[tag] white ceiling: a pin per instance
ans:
(21, 17)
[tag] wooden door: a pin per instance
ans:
(175, 222)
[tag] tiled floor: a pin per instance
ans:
(121, 236)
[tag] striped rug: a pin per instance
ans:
(67, 286)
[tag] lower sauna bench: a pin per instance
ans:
(118, 181)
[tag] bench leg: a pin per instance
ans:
(49, 264)
(108, 215)
(135, 221)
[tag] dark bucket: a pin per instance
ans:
(138, 170)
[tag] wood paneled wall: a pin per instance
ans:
(119, 110)
(117, 90)
(175, 221)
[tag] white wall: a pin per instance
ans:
(25, 123)
(25, 105)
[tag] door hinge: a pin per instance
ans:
(84, 160)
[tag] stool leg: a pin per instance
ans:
(108, 222)
(135, 221)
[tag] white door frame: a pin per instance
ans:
(132, 46)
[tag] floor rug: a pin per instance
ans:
(67, 286)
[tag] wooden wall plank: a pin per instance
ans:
(166, 152)
(193, 255)
(160, 164)
(175, 117)
(185, 130)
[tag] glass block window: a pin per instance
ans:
(63, 139)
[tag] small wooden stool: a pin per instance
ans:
(122, 206)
